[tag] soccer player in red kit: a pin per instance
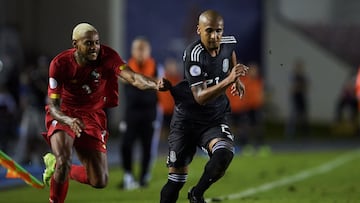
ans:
(82, 82)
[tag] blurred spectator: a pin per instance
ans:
(11, 59)
(166, 101)
(11, 55)
(33, 91)
(357, 87)
(7, 120)
(299, 85)
(247, 114)
(140, 116)
(346, 116)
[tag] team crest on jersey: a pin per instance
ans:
(87, 89)
(225, 65)
(95, 75)
(195, 70)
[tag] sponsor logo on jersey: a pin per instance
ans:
(195, 70)
(225, 65)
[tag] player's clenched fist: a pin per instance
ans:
(237, 71)
(241, 69)
(163, 84)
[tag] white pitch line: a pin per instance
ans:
(326, 167)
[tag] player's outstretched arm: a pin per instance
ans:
(75, 124)
(142, 82)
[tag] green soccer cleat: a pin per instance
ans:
(49, 160)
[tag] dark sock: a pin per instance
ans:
(214, 170)
(170, 191)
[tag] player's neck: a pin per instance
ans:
(213, 52)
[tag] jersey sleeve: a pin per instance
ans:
(119, 64)
(112, 94)
(229, 43)
(192, 67)
(55, 80)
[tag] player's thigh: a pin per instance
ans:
(181, 150)
(96, 165)
(216, 133)
(95, 161)
(61, 144)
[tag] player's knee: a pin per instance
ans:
(178, 170)
(225, 157)
(222, 155)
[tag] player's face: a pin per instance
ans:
(88, 46)
(210, 33)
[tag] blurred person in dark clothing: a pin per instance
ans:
(299, 86)
(33, 92)
(8, 124)
(140, 116)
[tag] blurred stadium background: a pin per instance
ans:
(323, 34)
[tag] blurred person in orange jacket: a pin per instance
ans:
(166, 101)
(140, 117)
(247, 113)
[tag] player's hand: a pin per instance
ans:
(237, 71)
(163, 84)
(76, 125)
(238, 89)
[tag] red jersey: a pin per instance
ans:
(89, 87)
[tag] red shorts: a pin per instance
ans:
(94, 136)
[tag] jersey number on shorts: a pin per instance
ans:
(226, 130)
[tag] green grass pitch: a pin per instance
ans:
(335, 185)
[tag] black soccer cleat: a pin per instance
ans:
(193, 199)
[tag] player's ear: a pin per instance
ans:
(74, 44)
(198, 30)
